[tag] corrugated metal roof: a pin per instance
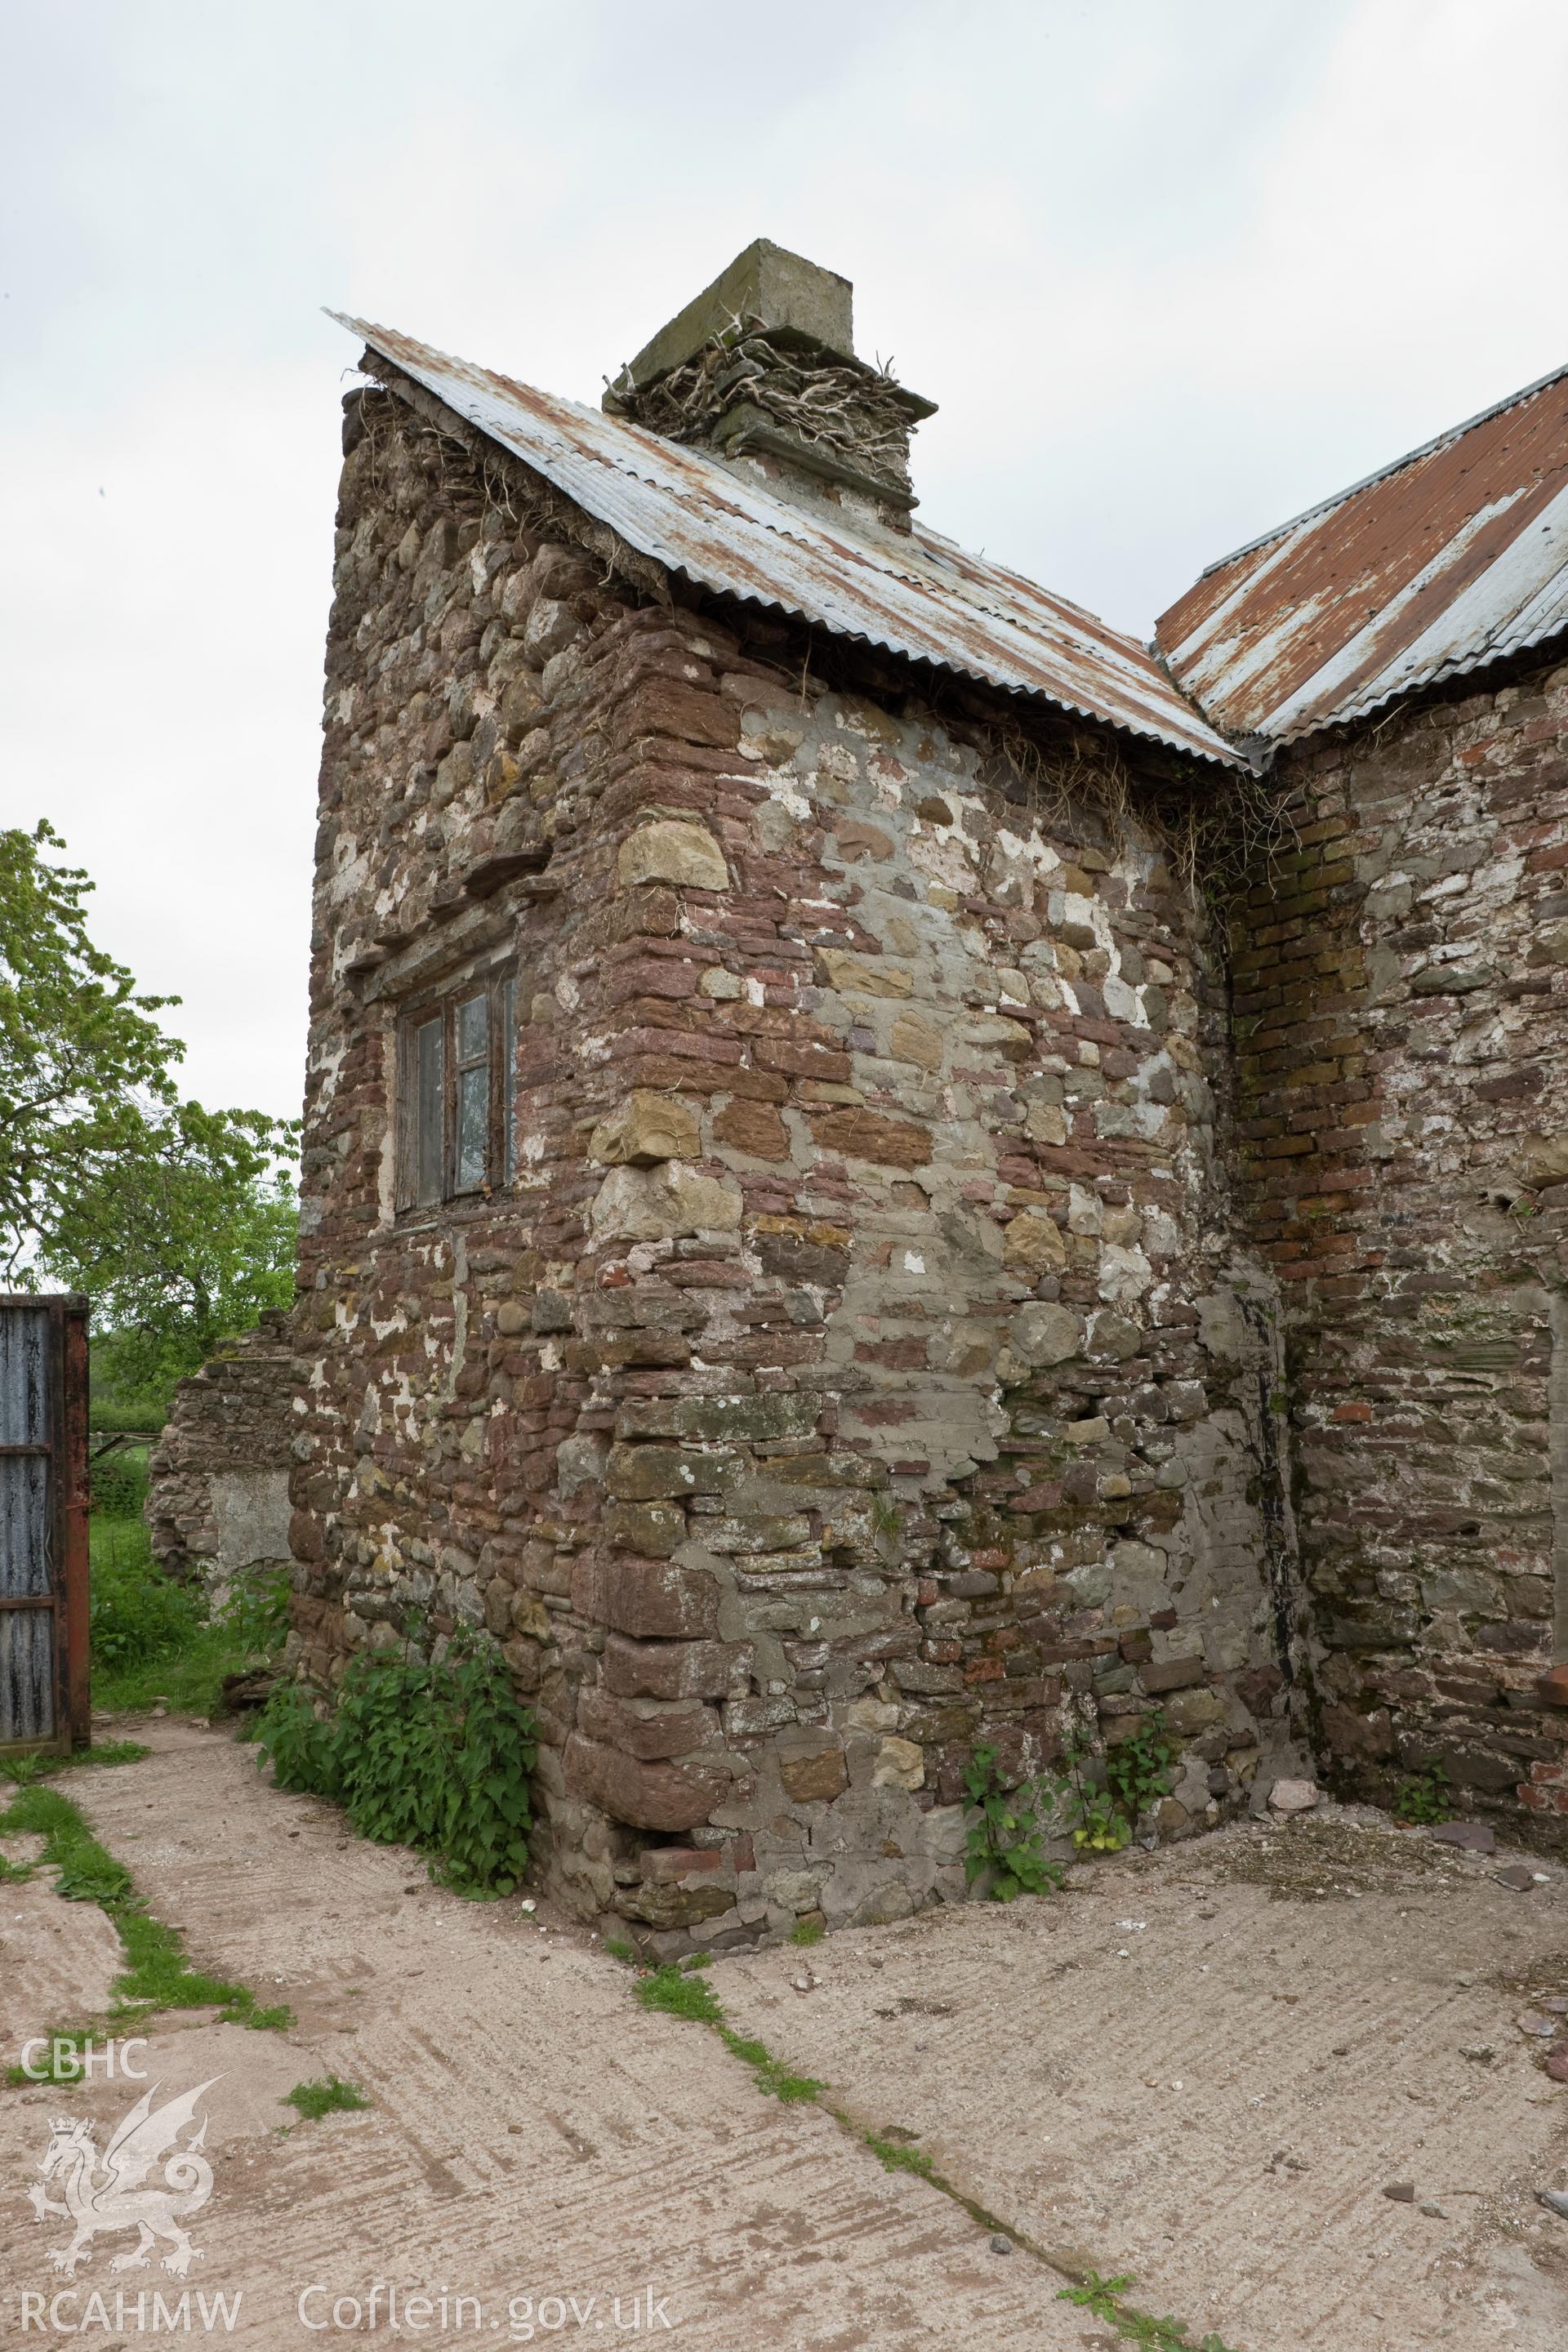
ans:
(914, 594)
(1450, 557)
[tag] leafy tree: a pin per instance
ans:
(178, 1222)
(80, 1051)
(182, 1237)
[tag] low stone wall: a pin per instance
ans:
(217, 1498)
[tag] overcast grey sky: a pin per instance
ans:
(1173, 268)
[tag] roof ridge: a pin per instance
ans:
(1381, 473)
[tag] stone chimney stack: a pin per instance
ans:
(761, 368)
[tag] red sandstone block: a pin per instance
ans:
(649, 1730)
(866, 1135)
(801, 1061)
(648, 1796)
(674, 1669)
(706, 1044)
(664, 1863)
(658, 706)
(646, 1597)
(650, 979)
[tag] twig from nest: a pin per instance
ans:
(858, 412)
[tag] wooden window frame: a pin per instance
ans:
(416, 1194)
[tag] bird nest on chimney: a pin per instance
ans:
(839, 407)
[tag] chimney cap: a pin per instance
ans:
(792, 299)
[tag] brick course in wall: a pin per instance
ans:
(863, 1363)
(1400, 1016)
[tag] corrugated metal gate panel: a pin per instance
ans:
(42, 1581)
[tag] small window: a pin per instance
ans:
(457, 1096)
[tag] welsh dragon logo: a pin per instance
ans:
(111, 2192)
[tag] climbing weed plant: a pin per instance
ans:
(1006, 1838)
(1137, 1774)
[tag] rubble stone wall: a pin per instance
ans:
(861, 1366)
(217, 1498)
(1402, 1014)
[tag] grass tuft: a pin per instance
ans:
(331, 2097)
(1106, 2299)
(674, 1991)
(25, 1770)
(157, 1975)
(896, 2156)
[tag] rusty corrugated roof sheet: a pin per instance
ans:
(1448, 558)
(917, 594)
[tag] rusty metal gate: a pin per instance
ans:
(44, 1697)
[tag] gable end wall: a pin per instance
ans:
(861, 1368)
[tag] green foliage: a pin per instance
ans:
(808, 1931)
(617, 1949)
(1138, 1770)
(895, 2155)
(62, 2066)
(1137, 1774)
(80, 1051)
(1104, 2298)
(1005, 1840)
(673, 1991)
(1424, 1796)
(136, 1613)
(154, 1638)
(157, 1975)
(1101, 1798)
(331, 2097)
(255, 1617)
(300, 1746)
(182, 1238)
(118, 1482)
(679, 1989)
(109, 1409)
(432, 1754)
(28, 1769)
(773, 2077)
(1099, 1826)
(179, 1220)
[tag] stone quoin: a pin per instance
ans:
(888, 1170)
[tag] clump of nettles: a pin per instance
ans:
(434, 1754)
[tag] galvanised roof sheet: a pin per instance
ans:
(1450, 557)
(913, 593)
